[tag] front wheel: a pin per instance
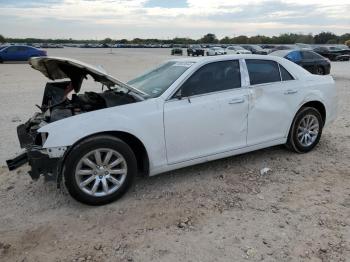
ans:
(99, 170)
(306, 130)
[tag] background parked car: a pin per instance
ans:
(195, 50)
(311, 61)
(333, 53)
(304, 46)
(216, 50)
(255, 49)
(236, 49)
(282, 47)
(176, 51)
(20, 53)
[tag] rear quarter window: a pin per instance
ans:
(286, 76)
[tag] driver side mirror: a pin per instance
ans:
(181, 93)
(178, 94)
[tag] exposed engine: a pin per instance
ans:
(56, 106)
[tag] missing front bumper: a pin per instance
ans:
(41, 164)
(16, 162)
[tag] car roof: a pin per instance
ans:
(206, 59)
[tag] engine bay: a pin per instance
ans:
(58, 103)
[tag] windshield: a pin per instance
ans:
(155, 82)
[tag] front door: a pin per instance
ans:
(210, 114)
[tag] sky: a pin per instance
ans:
(166, 19)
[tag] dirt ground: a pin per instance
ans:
(219, 211)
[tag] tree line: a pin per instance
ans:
(210, 38)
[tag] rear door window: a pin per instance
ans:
(263, 71)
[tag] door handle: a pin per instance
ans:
(236, 101)
(291, 92)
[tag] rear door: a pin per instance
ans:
(208, 114)
(275, 95)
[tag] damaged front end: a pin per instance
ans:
(43, 161)
(62, 100)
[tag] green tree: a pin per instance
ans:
(209, 39)
(324, 37)
(226, 40)
(242, 39)
(257, 39)
(123, 41)
(306, 39)
(2, 39)
(107, 41)
(344, 38)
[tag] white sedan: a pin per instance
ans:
(215, 51)
(236, 50)
(185, 112)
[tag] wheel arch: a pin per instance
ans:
(134, 142)
(318, 105)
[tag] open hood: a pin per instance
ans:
(56, 68)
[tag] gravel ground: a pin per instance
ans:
(219, 211)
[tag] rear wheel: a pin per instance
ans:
(99, 170)
(306, 130)
(1, 61)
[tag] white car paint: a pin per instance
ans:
(233, 50)
(215, 51)
(182, 132)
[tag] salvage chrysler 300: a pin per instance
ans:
(185, 112)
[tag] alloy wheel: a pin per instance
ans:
(308, 130)
(101, 172)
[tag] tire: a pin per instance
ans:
(1, 61)
(112, 178)
(295, 141)
(320, 70)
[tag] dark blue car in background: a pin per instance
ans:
(19, 53)
(311, 61)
